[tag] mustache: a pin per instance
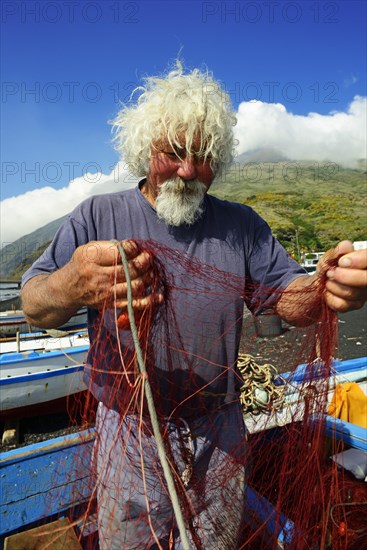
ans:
(180, 186)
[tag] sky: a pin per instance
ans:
(295, 72)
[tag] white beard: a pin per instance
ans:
(179, 202)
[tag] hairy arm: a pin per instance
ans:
(300, 303)
(46, 302)
(344, 286)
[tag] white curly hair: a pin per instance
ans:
(173, 106)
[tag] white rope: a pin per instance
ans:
(259, 394)
(151, 408)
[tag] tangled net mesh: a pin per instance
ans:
(221, 471)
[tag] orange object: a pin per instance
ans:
(349, 403)
(123, 321)
(342, 529)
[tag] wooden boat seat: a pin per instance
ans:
(57, 535)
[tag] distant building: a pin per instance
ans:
(360, 245)
(309, 260)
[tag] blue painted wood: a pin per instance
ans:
(44, 447)
(352, 435)
(266, 514)
(50, 477)
(44, 479)
(10, 358)
(28, 378)
(303, 372)
(14, 356)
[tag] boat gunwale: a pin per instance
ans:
(44, 355)
(338, 366)
(46, 447)
(59, 371)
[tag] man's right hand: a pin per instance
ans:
(93, 277)
(98, 277)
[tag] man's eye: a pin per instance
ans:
(202, 157)
(174, 155)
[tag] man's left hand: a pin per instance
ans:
(346, 284)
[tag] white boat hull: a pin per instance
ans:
(33, 380)
(12, 322)
(45, 343)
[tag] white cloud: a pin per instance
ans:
(24, 213)
(337, 137)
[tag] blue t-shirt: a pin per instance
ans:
(230, 248)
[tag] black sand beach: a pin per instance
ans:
(351, 343)
(290, 344)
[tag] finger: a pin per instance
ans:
(142, 303)
(355, 260)
(137, 267)
(356, 278)
(142, 268)
(346, 292)
(139, 286)
(106, 253)
(131, 249)
(341, 305)
(344, 247)
(141, 263)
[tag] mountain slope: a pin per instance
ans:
(309, 206)
(17, 256)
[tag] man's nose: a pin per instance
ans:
(187, 168)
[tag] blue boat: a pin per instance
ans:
(40, 377)
(12, 322)
(34, 490)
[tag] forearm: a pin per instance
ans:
(48, 301)
(342, 272)
(301, 302)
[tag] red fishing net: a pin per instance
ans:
(267, 485)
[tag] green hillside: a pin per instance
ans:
(316, 204)
(27, 261)
(310, 206)
(15, 258)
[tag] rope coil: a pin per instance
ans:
(259, 394)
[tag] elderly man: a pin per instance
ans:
(179, 137)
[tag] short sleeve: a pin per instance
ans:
(69, 236)
(271, 269)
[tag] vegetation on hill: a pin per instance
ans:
(310, 206)
(28, 260)
(16, 257)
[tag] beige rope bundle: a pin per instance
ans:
(259, 394)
